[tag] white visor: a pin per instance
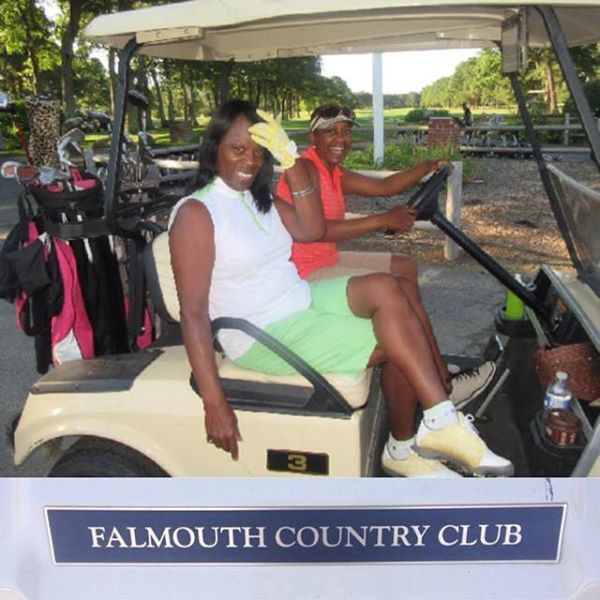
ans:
(322, 123)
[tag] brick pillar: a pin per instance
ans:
(443, 131)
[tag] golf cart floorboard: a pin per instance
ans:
(498, 427)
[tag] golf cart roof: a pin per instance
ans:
(243, 30)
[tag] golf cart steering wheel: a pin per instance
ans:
(424, 200)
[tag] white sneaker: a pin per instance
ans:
(415, 466)
(469, 383)
(461, 444)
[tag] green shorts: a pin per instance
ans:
(326, 335)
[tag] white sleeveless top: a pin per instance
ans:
(253, 277)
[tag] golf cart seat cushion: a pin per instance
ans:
(161, 284)
(354, 388)
(160, 279)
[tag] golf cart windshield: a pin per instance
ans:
(580, 207)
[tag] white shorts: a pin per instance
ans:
(355, 263)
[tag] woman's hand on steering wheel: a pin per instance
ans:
(398, 219)
(440, 163)
(424, 200)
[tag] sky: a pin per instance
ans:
(402, 71)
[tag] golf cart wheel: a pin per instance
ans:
(95, 457)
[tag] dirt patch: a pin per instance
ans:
(505, 211)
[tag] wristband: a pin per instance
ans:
(307, 191)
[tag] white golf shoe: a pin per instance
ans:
(415, 466)
(460, 444)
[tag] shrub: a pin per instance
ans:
(417, 115)
(421, 115)
(405, 155)
(592, 93)
(9, 139)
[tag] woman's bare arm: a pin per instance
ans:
(399, 218)
(361, 185)
(191, 242)
(304, 218)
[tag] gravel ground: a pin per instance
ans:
(505, 211)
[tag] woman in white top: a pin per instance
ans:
(230, 246)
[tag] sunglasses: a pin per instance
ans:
(330, 112)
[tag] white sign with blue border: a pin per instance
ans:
(449, 534)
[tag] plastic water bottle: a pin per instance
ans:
(558, 395)
(562, 427)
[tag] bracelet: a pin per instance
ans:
(307, 191)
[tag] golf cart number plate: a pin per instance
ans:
(293, 461)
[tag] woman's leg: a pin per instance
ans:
(400, 334)
(399, 457)
(403, 402)
(405, 270)
(461, 387)
(402, 341)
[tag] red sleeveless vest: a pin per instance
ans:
(315, 255)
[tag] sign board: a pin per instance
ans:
(484, 533)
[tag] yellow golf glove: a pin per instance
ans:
(270, 135)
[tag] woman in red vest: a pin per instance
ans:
(330, 134)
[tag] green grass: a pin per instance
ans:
(161, 137)
(397, 155)
(298, 128)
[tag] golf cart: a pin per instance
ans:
(137, 414)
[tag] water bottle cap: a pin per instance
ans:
(561, 375)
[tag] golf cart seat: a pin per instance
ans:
(161, 284)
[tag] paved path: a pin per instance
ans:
(17, 362)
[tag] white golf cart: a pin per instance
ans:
(137, 414)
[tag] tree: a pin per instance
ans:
(363, 99)
(492, 86)
(154, 70)
(478, 81)
(330, 90)
(26, 32)
(541, 77)
(39, 56)
(587, 61)
(74, 10)
(438, 93)
(413, 99)
(91, 84)
(74, 15)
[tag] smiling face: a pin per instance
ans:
(333, 143)
(239, 158)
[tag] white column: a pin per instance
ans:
(377, 107)
(453, 203)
